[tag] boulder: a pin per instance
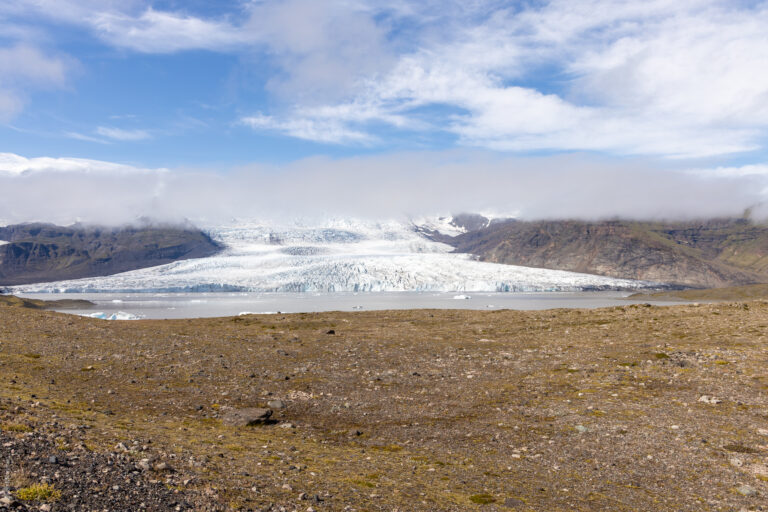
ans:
(246, 417)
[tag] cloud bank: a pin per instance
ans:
(378, 187)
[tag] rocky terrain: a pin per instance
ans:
(623, 408)
(44, 252)
(702, 254)
(730, 293)
(13, 301)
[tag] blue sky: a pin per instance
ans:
(224, 86)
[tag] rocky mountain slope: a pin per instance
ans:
(35, 253)
(712, 253)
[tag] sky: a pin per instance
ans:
(111, 110)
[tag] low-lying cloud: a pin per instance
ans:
(380, 187)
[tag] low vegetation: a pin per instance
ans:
(45, 493)
(622, 408)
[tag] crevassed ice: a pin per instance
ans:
(339, 255)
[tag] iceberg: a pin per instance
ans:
(120, 315)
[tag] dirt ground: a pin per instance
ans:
(624, 408)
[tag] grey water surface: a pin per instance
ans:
(197, 305)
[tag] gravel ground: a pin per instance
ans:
(624, 408)
(84, 480)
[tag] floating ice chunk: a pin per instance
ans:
(461, 297)
(120, 315)
(245, 313)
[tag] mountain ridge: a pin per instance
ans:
(699, 254)
(40, 252)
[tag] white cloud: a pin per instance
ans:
(10, 105)
(13, 164)
(122, 135)
(164, 32)
(380, 186)
(86, 138)
(22, 63)
(734, 172)
(23, 67)
(679, 78)
(314, 129)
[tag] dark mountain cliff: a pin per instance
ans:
(712, 253)
(45, 252)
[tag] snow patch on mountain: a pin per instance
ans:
(336, 255)
(443, 225)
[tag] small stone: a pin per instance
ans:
(45, 507)
(162, 466)
(581, 429)
(513, 503)
(53, 459)
(759, 470)
(287, 425)
(747, 490)
(709, 400)
(246, 417)
(121, 446)
(287, 487)
(276, 404)
(762, 431)
(143, 464)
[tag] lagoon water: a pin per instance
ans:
(196, 305)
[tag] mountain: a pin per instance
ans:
(33, 253)
(335, 255)
(702, 254)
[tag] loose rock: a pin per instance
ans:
(246, 417)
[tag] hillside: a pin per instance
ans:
(730, 293)
(705, 254)
(45, 252)
(19, 302)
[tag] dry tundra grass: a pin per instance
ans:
(623, 408)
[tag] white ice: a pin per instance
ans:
(120, 315)
(336, 255)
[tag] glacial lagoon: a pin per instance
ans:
(120, 306)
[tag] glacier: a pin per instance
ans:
(336, 255)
